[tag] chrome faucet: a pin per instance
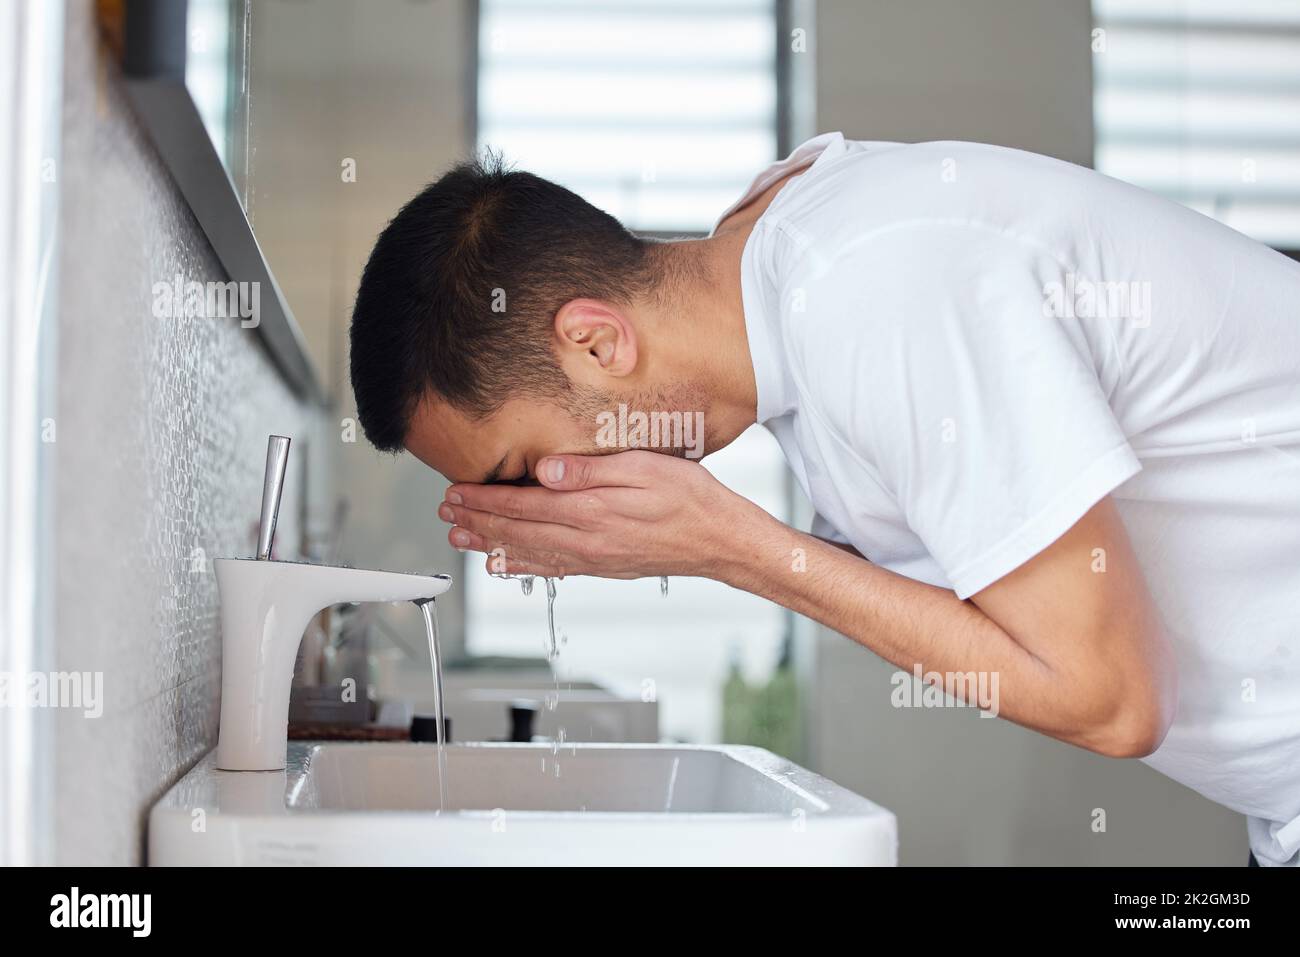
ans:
(266, 606)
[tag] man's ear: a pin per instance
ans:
(595, 339)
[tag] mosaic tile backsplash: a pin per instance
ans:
(160, 447)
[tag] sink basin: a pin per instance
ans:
(514, 804)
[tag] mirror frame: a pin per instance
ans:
(153, 64)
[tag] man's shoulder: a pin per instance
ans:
(875, 186)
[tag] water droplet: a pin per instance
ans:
(526, 584)
(663, 586)
(553, 650)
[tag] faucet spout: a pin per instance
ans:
(265, 608)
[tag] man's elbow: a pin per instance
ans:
(1140, 720)
(1135, 734)
(1134, 696)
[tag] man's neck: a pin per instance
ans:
(712, 346)
(702, 343)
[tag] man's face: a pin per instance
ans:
(504, 447)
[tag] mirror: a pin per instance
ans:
(295, 129)
(216, 74)
(190, 84)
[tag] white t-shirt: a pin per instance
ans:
(962, 348)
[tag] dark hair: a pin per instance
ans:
(461, 290)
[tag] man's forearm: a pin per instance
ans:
(904, 621)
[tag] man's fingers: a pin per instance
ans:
(570, 472)
(498, 565)
(503, 555)
(624, 470)
(510, 566)
(502, 558)
(518, 502)
(472, 529)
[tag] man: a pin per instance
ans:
(1050, 425)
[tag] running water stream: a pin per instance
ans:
(435, 666)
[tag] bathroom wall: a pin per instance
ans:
(356, 108)
(1009, 72)
(969, 790)
(160, 446)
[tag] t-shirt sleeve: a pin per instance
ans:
(942, 367)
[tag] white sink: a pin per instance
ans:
(513, 804)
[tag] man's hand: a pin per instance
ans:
(628, 515)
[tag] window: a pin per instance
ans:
(659, 113)
(1200, 100)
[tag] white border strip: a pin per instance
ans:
(31, 49)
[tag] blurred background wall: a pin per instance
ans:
(355, 108)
